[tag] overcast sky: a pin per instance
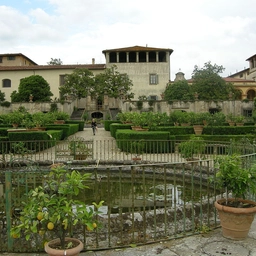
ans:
(220, 31)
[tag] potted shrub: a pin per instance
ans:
(79, 148)
(216, 119)
(60, 117)
(239, 120)
(193, 148)
(15, 118)
(236, 214)
(52, 208)
(41, 119)
(231, 119)
(138, 120)
(197, 120)
(125, 117)
(137, 148)
(184, 118)
(151, 119)
(175, 116)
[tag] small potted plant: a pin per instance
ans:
(15, 118)
(60, 117)
(239, 120)
(184, 118)
(52, 208)
(197, 120)
(138, 121)
(40, 119)
(79, 148)
(231, 119)
(125, 117)
(137, 148)
(236, 214)
(216, 119)
(193, 148)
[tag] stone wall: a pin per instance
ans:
(234, 107)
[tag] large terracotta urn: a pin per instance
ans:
(235, 222)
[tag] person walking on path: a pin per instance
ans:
(94, 126)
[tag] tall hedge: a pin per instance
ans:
(153, 142)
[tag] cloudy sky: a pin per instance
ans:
(220, 31)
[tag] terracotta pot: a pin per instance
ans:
(136, 158)
(185, 124)
(198, 129)
(235, 222)
(139, 128)
(80, 157)
(231, 123)
(59, 122)
(70, 252)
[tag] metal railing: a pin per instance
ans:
(102, 151)
(144, 203)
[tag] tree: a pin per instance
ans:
(2, 96)
(82, 83)
(179, 90)
(33, 85)
(79, 84)
(209, 84)
(113, 84)
(55, 62)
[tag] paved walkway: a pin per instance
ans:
(208, 244)
(211, 243)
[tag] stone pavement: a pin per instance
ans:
(211, 243)
(208, 244)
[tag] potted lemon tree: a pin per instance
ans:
(192, 148)
(236, 213)
(79, 148)
(52, 208)
(60, 117)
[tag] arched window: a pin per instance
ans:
(6, 83)
(251, 94)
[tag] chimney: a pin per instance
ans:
(93, 61)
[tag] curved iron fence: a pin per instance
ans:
(160, 197)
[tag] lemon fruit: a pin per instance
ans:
(50, 226)
(41, 232)
(88, 228)
(15, 235)
(94, 225)
(40, 216)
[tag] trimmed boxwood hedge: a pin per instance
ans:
(118, 126)
(230, 130)
(3, 145)
(218, 138)
(34, 141)
(208, 130)
(175, 130)
(107, 124)
(153, 142)
(68, 129)
(80, 124)
(3, 132)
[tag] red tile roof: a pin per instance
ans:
(230, 80)
(251, 57)
(52, 67)
(239, 72)
(138, 49)
(17, 54)
(238, 80)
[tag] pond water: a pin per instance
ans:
(128, 191)
(143, 192)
